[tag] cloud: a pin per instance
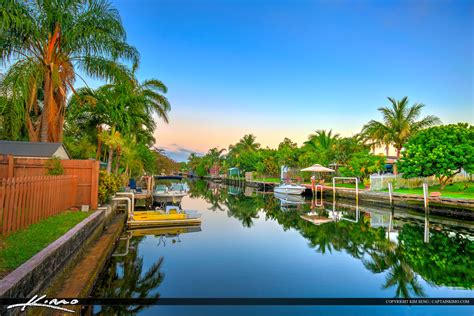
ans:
(179, 153)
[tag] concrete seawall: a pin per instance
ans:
(33, 276)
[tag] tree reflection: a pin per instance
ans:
(126, 279)
(447, 259)
(245, 209)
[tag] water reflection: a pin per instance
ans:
(402, 246)
(401, 254)
(126, 277)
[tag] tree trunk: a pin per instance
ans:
(99, 144)
(48, 99)
(109, 161)
(117, 162)
(395, 169)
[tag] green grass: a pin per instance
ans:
(273, 180)
(24, 244)
(459, 190)
(347, 185)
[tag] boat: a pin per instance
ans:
(289, 189)
(174, 193)
(171, 216)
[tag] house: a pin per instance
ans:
(33, 149)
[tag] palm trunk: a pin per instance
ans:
(99, 144)
(395, 169)
(48, 99)
(117, 162)
(109, 161)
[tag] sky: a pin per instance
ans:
(287, 68)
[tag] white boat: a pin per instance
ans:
(174, 194)
(289, 189)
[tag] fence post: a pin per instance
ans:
(2, 203)
(94, 184)
(11, 166)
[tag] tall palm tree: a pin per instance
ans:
(321, 139)
(48, 41)
(248, 143)
(322, 143)
(126, 107)
(400, 121)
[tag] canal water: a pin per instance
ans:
(254, 245)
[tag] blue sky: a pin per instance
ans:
(286, 68)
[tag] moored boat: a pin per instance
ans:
(289, 189)
(172, 216)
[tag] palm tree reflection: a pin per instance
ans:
(126, 279)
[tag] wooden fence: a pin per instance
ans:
(27, 200)
(87, 172)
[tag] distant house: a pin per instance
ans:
(33, 150)
(214, 170)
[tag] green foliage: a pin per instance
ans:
(109, 184)
(440, 151)
(54, 167)
(75, 34)
(362, 164)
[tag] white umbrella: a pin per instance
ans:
(317, 168)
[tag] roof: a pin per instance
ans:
(33, 149)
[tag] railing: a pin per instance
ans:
(27, 200)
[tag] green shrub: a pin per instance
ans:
(54, 167)
(108, 185)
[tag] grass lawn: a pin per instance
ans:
(347, 185)
(273, 180)
(24, 244)
(459, 190)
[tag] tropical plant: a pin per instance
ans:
(442, 151)
(400, 122)
(362, 164)
(47, 42)
(322, 143)
(109, 184)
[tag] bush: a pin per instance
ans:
(108, 185)
(54, 167)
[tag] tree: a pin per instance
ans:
(322, 144)
(287, 153)
(346, 147)
(47, 41)
(248, 143)
(400, 122)
(362, 164)
(442, 151)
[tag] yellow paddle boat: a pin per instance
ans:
(172, 216)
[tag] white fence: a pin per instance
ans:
(380, 182)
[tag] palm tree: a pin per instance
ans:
(400, 121)
(321, 140)
(47, 41)
(323, 143)
(248, 143)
